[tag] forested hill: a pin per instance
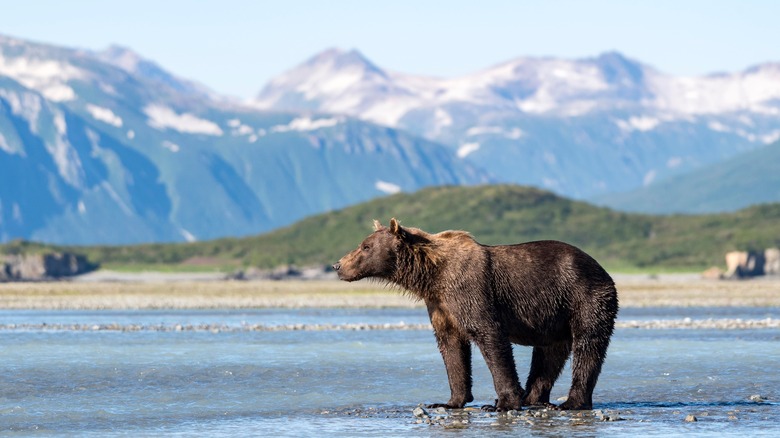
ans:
(494, 215)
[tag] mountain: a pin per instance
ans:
(494, 214)
(749, 178)
(581, 127)
(107, 147)
(136, 65)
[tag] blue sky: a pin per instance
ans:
(236, 46)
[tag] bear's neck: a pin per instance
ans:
(416, 271)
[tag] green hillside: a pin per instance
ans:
(493, 214)
(747, 179)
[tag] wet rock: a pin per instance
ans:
(419, 412)
(757, 398)
(690, 418)
(440, 410)
(513, 413)
(608, 416)
(541, 414)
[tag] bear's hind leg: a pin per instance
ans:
(589, 353)
(497, 351)
(546, 365)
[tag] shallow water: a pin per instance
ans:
(359, 382)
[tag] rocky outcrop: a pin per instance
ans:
(772, 261)
(744, 264)
(45, 266)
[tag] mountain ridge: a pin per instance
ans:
(750, 178)
(119, 150)
(537, 120)
(129, 154)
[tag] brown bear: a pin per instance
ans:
(547, 294)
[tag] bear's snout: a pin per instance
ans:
(336, 266)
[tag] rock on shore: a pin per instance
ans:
(46, 266)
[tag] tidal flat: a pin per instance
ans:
(151, 291)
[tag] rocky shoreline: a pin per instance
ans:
(541, 419)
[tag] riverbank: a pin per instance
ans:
(183, 291)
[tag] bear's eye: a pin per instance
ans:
(366, 247)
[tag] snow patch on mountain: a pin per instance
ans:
(442, 119)
(391, 110)
(771, 137)
(189, 237)
(641, 123)
(750, 90)
(104, 115)
(765, 110)
(718, 127)
(512, 134)
(162, 117)
(4, 145)
(171, 146)
(649, 177)
(48, 77)
(387, 187)
(239, 128)
(674, 162)
(306, 124)
(24, 105)
(482, 130)
(467, 148)
(64, 155)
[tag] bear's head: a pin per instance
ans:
(377, 254)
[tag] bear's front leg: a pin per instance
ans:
(456, 351)
(497, 351)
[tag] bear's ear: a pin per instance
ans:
(377, 226)
(396, 228)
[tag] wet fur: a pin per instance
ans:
(546, 294)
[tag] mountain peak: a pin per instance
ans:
(617, 68)
(122, 57)
(340, 59)
(135, 64)
(335, 75)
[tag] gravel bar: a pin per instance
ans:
(686, 323)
